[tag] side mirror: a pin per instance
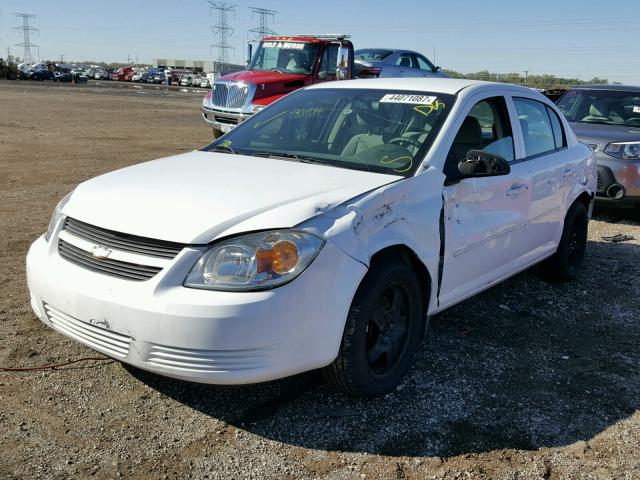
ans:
(342, 66)
(437, 68)
(479, 163)
(249, 52)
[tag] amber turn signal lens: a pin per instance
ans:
(281, 258)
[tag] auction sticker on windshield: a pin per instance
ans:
(407, 98)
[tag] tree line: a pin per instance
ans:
(544, 81)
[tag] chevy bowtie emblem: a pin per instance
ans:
(100, 253)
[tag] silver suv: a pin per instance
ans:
(607, 118)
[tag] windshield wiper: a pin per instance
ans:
(596, 122)
(223, 149)
(289, 156)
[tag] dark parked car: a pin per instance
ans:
(382, 62)
(42, 75)
(63, 77)
(607, 118)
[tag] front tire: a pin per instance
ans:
(565, 264)
(381, 333)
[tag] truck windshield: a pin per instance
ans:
(289, 57)
(362, 129)
(611, 107)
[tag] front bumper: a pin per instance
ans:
(223, 120)
(198, 335)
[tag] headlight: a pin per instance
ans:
(57, 215)
(256, 108)
(624, 150)
(207, 99)
(258, 261)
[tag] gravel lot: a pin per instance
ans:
(529, 380)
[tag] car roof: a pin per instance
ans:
(449, 86)
(624, 88)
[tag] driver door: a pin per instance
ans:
(328, 63)
(485, 218)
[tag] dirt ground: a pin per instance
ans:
(529, 380)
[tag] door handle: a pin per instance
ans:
(516, 189)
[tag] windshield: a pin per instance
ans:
(289, 57)
(372, 54)
(374, 130)
(611, 107)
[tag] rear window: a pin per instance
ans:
(372, 54)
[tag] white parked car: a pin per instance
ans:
(138, 76)
(186, 80)
(322, 232)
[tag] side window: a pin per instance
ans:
(487, 128)
(329, 62)
(536, 126)
(558, 131)
(423, 64)
(404, 60)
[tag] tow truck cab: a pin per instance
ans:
(122, 73)
(279, 66)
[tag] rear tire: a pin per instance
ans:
(382, 331)
(565, 264)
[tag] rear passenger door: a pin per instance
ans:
(550, 167)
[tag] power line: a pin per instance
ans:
(263, 30)
(26, 30)
(223, 30)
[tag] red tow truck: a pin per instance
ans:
(279, 66)
(122, 73)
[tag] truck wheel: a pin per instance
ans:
(381, 333)
(565, 264)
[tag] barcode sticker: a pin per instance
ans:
(408, 98)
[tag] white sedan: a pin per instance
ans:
(322, 232)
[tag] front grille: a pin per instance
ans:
(229, 120)
(230, 95)
(130, 271)
(600, 184)
(121, 241)
(210, 360)
(105, 341)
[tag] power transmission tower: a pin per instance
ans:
(26, 30)
(223, 30)
(263, 30)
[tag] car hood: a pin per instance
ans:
(595, 133)
(199, 196)
(263, 76)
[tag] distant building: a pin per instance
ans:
(193, 65)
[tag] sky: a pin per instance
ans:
(571, 38)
